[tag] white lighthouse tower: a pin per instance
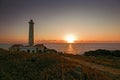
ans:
(30, 48)
(31, 33)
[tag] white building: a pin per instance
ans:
(31, 48)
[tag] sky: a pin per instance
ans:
(87, 20)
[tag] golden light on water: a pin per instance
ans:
(70, 38)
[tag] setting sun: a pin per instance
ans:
(70, 38)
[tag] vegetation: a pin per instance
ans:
(49, 66)
(101, 52)
(99, 57)
(26, 66)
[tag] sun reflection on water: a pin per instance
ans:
(70, 49)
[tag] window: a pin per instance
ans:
(28, 51)
(33, 51)
(40, 51)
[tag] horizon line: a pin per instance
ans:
(59, 41)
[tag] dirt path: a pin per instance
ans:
(95, 66)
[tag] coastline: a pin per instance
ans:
(75, 48)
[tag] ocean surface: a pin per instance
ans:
(76, 48)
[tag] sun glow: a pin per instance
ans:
(70, 38)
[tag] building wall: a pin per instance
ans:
(28, 49)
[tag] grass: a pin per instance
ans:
(49, 66)
(25, 66)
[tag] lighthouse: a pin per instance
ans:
(31, 33)
(30, 48)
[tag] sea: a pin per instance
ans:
(75, 48)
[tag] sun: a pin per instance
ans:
(70, 38)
